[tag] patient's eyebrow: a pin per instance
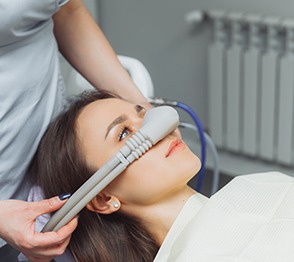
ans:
(139, 110)
(115, 122)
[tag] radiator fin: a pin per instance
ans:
(251, 87)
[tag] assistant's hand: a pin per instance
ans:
(17, 227)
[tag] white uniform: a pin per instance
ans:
(31, 87)
(250, 220)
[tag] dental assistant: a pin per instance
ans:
(32, 94)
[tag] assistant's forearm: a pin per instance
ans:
(84, 45)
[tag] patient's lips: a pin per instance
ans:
(175, 145)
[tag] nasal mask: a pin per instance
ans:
(158, 122)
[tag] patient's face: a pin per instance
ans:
(103, 128)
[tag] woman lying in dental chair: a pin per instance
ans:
(149, 213)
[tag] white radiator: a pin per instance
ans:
(251, 85)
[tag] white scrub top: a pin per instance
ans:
(31, 87)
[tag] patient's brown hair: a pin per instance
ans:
(59, 168)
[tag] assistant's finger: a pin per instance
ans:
(47, 239)
(48, 253)
(48, 205)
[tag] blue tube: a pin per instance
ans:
(202, 141)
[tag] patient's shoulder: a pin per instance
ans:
(258, 194)
(266, 177)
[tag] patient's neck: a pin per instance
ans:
(159, 218)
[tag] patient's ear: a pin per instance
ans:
(104, 204)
